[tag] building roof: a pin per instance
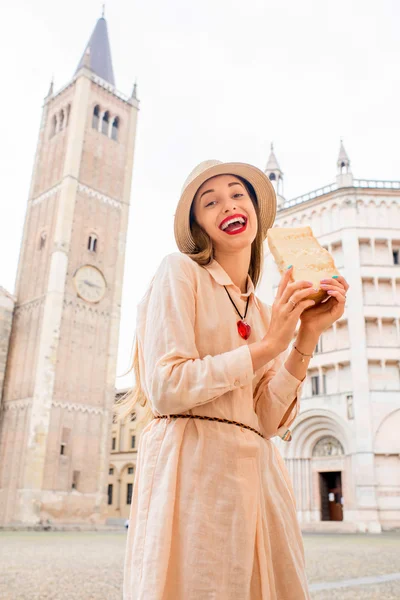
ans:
(97, 54)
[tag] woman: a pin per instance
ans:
(213, 513)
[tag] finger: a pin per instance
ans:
(301, 295)
(303, 305)
(338, 295)
(293, 287)
(286, 277)
(337, 279)
(333, 286)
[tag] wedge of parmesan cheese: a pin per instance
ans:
(297, 246)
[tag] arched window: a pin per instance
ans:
(104, 123)
(114, 130)
(61, 119)
(42, 240)
(92, 243)
(272, 177)
(95, 119)
(53, 130)
(67, 112)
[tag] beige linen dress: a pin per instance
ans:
(213, 514)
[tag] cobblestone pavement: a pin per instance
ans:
(88, 566)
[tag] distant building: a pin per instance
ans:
(58, 364)
(124, 445)
(344, 459)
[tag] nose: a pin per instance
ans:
(229, 207)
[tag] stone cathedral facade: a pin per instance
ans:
(59, 331)
(344, 459)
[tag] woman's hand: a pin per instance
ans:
(321, 317)
(290, 303)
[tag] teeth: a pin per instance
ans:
(233, 220)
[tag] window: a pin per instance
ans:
(42, 241)
(114, 130)
(315, 385)
(129, 493)
(95, 119)
(272, 177)
(92, 243)
(111, 471)
(130, 470)
(53, 130)
(114, 440)
(133, 416)
(66, 431)
(104, 123)
(318, 347)
(67, 113)
(396, 257)
(110, 493)
(61, 119)
(75, 480)
(114, 418)
(133, 439)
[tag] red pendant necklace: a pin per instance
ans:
(244, 328)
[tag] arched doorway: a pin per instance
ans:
(319, 463)
(330, 482)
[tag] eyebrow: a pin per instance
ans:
(229, 185)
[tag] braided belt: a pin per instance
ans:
(209, 419)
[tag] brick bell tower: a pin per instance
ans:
(59, 386)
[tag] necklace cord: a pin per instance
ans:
(236, 308)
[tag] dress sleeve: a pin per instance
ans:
(176, 378)
(277, 398)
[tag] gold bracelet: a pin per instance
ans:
(302, 353)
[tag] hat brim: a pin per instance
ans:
(264, 190)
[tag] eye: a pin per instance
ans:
(238, 195)
(210, 203)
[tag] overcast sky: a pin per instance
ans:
(217, 79)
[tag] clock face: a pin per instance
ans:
(90, 283)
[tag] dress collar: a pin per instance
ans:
(221, 276)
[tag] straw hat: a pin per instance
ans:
(263, 188)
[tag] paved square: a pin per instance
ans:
(88, 566)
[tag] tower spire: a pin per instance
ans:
(344, 177)
(134, 91)
(100, 53)
(51, 88)
(275, 175)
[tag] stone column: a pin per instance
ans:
(364, 481)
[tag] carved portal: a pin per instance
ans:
(328, 446)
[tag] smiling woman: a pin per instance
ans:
(212, 511)
(204, 249)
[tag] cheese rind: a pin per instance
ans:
(297, 246)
